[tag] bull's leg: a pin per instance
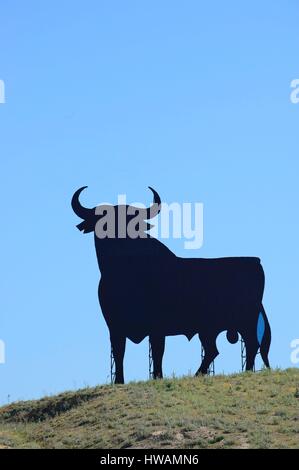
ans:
(211, 352)
(252, 346)
(158, 347)
(118, 344)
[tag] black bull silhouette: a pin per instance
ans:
(146, 290)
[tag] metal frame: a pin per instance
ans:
(243, 356)
(112, 367)
(150, 364)
(150, 361)
(211, 368)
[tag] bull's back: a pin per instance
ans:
(235, 281)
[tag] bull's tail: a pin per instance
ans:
(264, 336)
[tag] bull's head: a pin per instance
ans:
(115, 221)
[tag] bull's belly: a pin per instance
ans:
(187, 315)
(139, 338)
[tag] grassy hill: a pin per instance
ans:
(238, 411)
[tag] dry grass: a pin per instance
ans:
(239, 411)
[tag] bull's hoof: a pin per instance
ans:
(158, 376)
(119, 382)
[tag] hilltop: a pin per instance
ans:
(246, 410)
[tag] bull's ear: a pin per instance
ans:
(86, 226)
(81, 226)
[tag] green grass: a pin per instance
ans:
(238, 411)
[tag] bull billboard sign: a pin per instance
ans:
(147, 291)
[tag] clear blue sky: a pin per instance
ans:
(191, 98)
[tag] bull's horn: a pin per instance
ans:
(79, 210)
(154, 210)
(157, 200)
